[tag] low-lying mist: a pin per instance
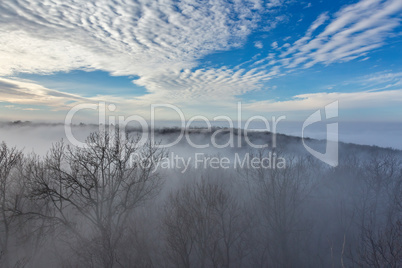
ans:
(117, 202)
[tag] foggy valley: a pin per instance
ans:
(96, 206)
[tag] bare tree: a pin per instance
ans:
(10, 159)
(92, 190)
(205, 226)
(279, 198)
(381, 248)
(380, 211)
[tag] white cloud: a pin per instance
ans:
(27, 92)
(205, 86)
(159, 41)
(353, 32)
(380, 81)
(275, 3)
(353, 100)
(274, 22)
(258, 44)
(121, 37)
(384, 77)
(377, 91)
(206, 89)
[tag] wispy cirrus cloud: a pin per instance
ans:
(17, 91)
(352, 32)
(347, 100)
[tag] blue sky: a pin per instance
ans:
(277, 57)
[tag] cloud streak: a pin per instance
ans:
(353, 32)
(28, 92)
(312, 101)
